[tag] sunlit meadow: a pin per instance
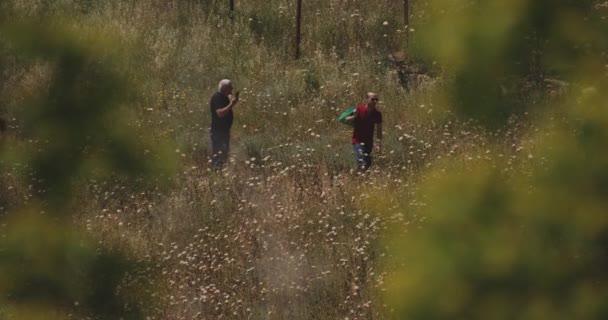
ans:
(287, 230)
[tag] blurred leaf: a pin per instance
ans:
(81, 118)
(519, 246)
(47, 269)
(493, 49)
(46, 265)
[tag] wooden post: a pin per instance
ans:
(406, 21)
(298, 28)
(231, 9)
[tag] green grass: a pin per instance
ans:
(286, 231)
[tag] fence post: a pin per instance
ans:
(231, 9)
(406, 21)
(298, 28)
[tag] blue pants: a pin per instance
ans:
(363, 155)
(220, 145)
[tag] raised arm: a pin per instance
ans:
(223, 111)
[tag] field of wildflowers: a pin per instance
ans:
(288, 230)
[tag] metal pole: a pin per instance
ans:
(298, 28)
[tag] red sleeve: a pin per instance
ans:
(359, 108)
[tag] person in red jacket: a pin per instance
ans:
(365, 118)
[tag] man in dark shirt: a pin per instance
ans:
(365, 118)
(221, 105)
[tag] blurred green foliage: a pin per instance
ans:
(80, 117)
(48, 270)
(494, 50)
(527, 246)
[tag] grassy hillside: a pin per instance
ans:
(287, 230)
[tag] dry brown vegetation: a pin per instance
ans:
(287, 230)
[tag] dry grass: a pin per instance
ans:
(287, 231)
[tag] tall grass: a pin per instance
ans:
(286, 230)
